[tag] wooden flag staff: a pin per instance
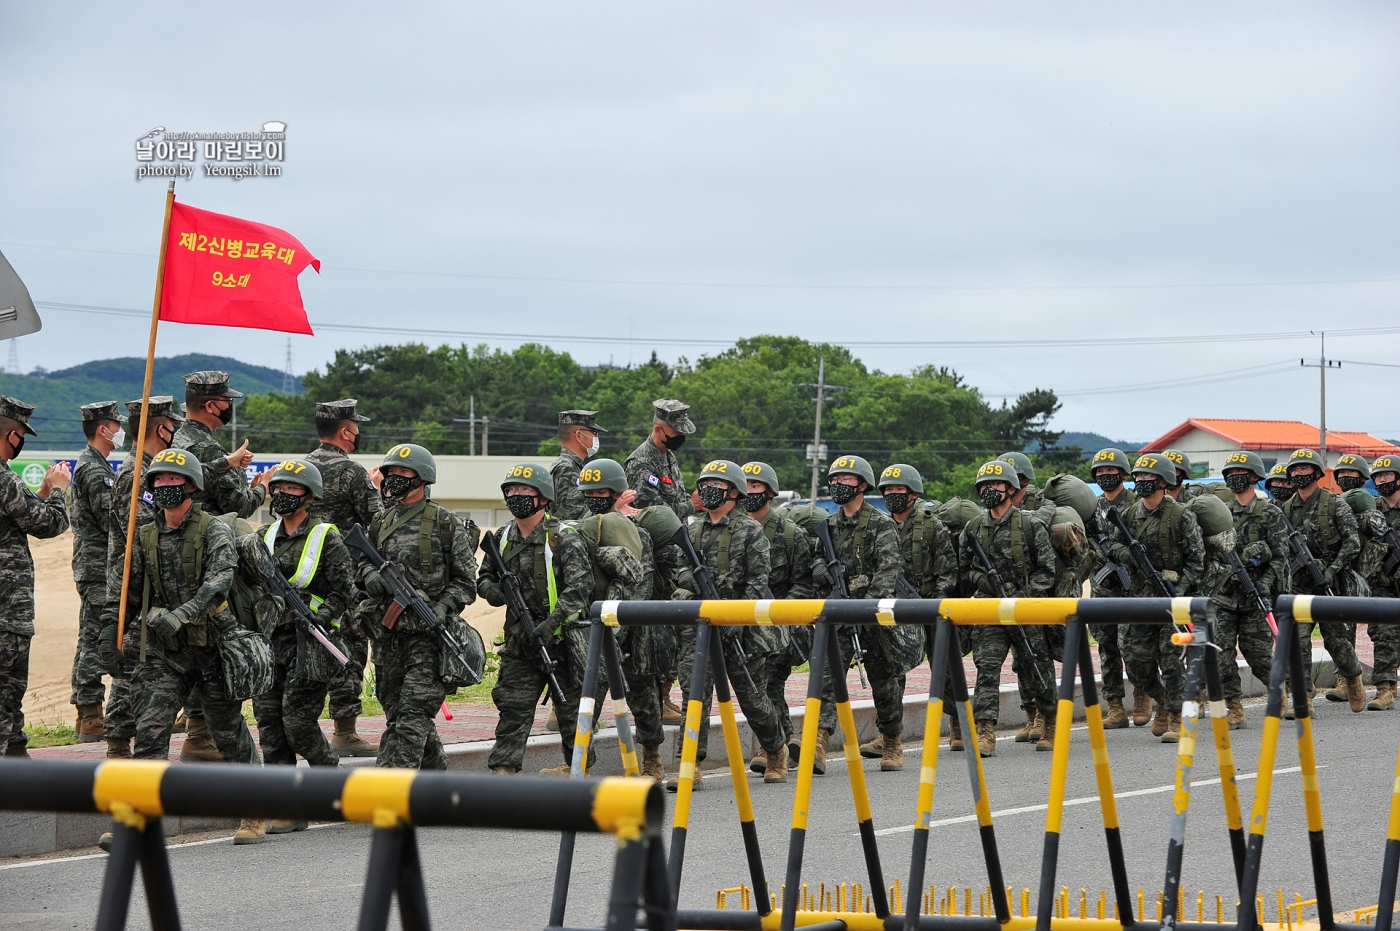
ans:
(138, 441)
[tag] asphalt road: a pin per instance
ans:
(314, 879)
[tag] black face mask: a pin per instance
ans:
(166, 497)
(599, 504)
(165, 440)
(1239, 482)
(992, 498)
(1302, 479)
(674, 443)
(1349, 482)
(1146, 487)
(712, 496)
(1281, 492)
(843, 494)
(1386, 489)
(755, 501)
(18, 447)
(355, 446)
(226, 415)
(397, 486)
(284, 502)
(522, 506)
(898, 501)
(1109, 481)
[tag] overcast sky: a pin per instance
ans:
(842, 172)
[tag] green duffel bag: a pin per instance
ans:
(1070, 491)
(1212, 514)
(246, 657)
(454, 674)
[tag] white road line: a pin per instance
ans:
(102, 856)
(1028, 809)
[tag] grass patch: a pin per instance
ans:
(50, 735)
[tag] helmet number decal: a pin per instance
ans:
(845, 462)
(1146, 462)
(521, 472)
(1174, 456)
(176, 456)
(752, 468)
(717, 466)
(991, 468)
(592, 475)
(292, 466)
(891, 472)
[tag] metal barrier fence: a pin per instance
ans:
(137, 793)
(1195, 622)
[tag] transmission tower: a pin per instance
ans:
(288, 380)
(12, 364)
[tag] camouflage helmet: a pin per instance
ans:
(1022, 462)
(1110, 456)
(1354, 463)
(725, 470)
(1308, 457)
(1180, 460)
(300, 472)
(1278, 473)
(1246, 459)
(532, 476)
(998, 470)
(602, 474)
(412, 456)
(1155, 464)
(1386, 463)
(852, 465)
(762, 472)
(180, 462)
(902, 474)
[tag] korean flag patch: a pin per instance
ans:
(653, 481)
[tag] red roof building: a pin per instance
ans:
(1207, 441)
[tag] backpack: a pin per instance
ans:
(616, 548)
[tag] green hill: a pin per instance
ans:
(57, 395)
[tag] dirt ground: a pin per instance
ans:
(56, 630)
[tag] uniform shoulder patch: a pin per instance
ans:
(653, 481)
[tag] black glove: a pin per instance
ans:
(107, 652)
(375, 584)
(165, 625)
(1329, 575)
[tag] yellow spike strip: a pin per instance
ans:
(1083, 903)
(1139, 915)
(1201, 906)
(1099, 912)
(967, 901)
(1259, 910)
(1025, 902)
(1280, 908)
(1219, 910)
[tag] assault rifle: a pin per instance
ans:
(405, 596)
(1251, 588)
(1391, 564)
(839, 590)
(1023, 643)
(1163, 588)
(1098, 536)
(518, 612)
(1305, 556)
(705, 578)
(903, 588)
(307, 622)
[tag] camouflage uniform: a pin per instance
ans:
(170, 670)
(288, 714)
(929, 562)
(1108, 635)
(118, 719)
(568, 503)
(522, 677)
(1029, 577)
(1387, 639)
(1153, 663)
(90, 510)
(655, 473)
(1035, 497)
(1261, 542)
(650, 663)
(789, 576)
(22, 515)
(408, 659)
(1335, 549)
(226, 489)
(348, 498)
(744, 576)
(867, 545)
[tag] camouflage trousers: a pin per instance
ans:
(14, 681)
(289, 713)
(989, 653)
(1340, 643)
(158, 690)
(1385, 638)
(776, 671)
(644, 701)
(1110, 660)
(753, 701)
(520, 682)
(345, 689)
(1251, 632)
(1154, 663)
(87, 667)
(408, 685)
(886, 683)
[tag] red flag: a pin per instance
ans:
(223, 271)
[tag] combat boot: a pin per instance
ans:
(1287, 713)
(1047, 734)
(182, 723)
(89, 728)
(1337, 692)
(987, 738)
(819, 755)
(1117, 715)
(286, 826)
(1385, 697)
(118, 749)
(18, 750)
(673, 782)
(652, 767)
(1142, 708)
(955, 737)
(250, 830)
(671, 713)
(875, 749)
(758, 763)
(199, 746)
(1161, 719)
(892, 759)
(348, 743)
(563, 770)
(1024, 734)
(777, 768)
(503, 771)
(794, 746)
(1234, 714)
(1356, 694)
(1173, 732)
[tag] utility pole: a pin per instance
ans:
(471, 417)
(816, 451)
(486, 436)
(1322, 365)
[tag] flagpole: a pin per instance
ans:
(138, 442)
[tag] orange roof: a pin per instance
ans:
(1276, 434)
